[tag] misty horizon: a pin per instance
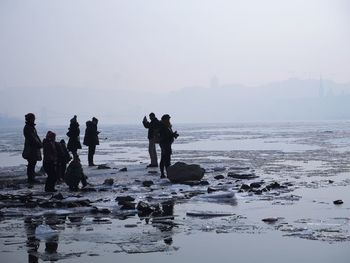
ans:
(289, 100)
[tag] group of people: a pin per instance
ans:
(56, 155)
(160, 132)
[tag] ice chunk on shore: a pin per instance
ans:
(44, 231)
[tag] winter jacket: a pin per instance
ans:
(153, 128)
(167, 135)
(32, 143)
(91, 134)
(63, 155)
(50, 151)
(74, 174)
(73, 134)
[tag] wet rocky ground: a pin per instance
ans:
(293, 187)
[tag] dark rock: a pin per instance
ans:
(73, 205)
(123, 169)
(219, 169)
(94, 210)
(257, 192)
(75, 219)
(124, 199)
(245, 187)
(58, 196)
(330, 181)
(275, 185)
(242, 176)
(338, 202)
(147, 183)
(168, 240)
(31, 204)
(152, 172)
(255, 185)
(181, 172)
(103, 166)
(204, 182)
(109, 181)
(146, 208)
(270, 220)
(211, 189)
(219, 177)
(47, 205)
(104, 211)
(130, 225)
(126, 205)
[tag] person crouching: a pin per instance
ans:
(75, 174)
(50, 161)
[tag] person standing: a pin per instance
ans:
(73, 134)
(167, 137)
(32, 146)
(50, 161)
(153, 137)
(91, 139)
(63, 158)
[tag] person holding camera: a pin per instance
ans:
(153, 137)
(167, 137)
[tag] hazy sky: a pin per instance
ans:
(167, 45)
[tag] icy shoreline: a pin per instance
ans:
(286, 206)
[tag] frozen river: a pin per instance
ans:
(309, 162)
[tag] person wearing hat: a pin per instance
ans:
(153, 137)
(73, 134)
(50, 161)
(167, 137)
(91, 139)
(32, 146)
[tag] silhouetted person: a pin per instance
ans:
(63, 158)
(50, 161)
(167, 137)
(73, 134)
(153, 137)
(75, 174)
(91, 139)
(32, 146)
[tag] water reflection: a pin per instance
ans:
(34, 238)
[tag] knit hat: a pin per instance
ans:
(51, 136)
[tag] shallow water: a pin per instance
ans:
(304, 156)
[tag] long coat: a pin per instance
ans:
(32, 143)
(167, 135)
(73, 134)
(91, 134)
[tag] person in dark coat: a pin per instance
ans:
(50, 161)
(63, 158)
(153, 137)
(91, 139)
(73, 134)
(167, 137)
(75, 174)
(32, 146)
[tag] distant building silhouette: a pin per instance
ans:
(321, 88)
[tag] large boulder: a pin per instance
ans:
(182, 172)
